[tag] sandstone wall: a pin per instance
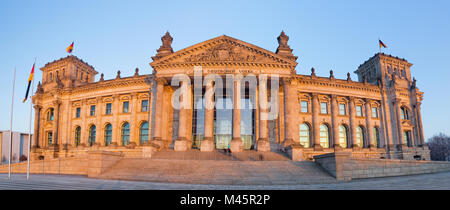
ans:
(345, 167)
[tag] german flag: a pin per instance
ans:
(381, 44)
(30, 79)
(70, 48)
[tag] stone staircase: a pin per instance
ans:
(250, 155)
(195, 167)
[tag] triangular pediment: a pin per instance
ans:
(223, 50)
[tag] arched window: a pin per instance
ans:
(50, 114)
(108, 134)
(376, 137)
(92, 131)
(324, 136)
(77, 136)
(343, 137)
(143, 133)
(125, 134)
(404, 113)
(359, 136)
(304, 135)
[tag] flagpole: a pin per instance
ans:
(29, 128)
(10, 126)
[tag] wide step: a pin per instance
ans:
(218, 172)
(220, 155)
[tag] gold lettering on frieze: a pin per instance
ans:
(220, 71)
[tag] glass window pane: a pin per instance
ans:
(125, 107)
(343, 141)
(323, 108)
(144, 105)
(125, 134)
(143, 133)
(324, 137)
(108, 134)
(304, 106)
(304, 135)
(374, 112)
(359, 111)
(341, 109)
(108, 108)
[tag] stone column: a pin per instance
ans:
(369, 127)
(134, 125)
(207, 145)
(100, 141)
(419, 124)
(56, 123)
(181, 144)
(116, 124)
(385, 117)
(236, 142)
(157, 138)
(263, 143)
(334, 121)
(290, 100)
(352, 112)
(37, 119)
(315, 121)
(399, 123)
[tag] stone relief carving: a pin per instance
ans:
(222, 52)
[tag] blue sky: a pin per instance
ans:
(338, 35)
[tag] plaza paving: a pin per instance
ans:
(438, 181)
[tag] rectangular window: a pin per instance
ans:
(304, 106)
(92, 113)
(108, 108)
(341, 109)
(144, 105)
(359, 111)
(126, 106)
(374, 112)
(50, 138)
(323, 108)
(78, 112)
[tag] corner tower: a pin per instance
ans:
(67, 72)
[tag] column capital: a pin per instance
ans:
(161, 81)
(287, 80)
(351, 99)
(315, 95)
(56, 102)
(37, 106)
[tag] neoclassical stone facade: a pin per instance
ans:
(376, 116)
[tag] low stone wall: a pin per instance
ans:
(71, 165)
(298, 153)
(345, 167)
(99, 161)
(91, 163)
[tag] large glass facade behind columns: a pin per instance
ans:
(223, 122)
(247, 123)
(198, 120)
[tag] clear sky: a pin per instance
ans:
(338, 35)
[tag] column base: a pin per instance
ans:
(337, 147)
(287, 143)
(355, 147)
(158, 141)
(318, 147)
(181, 144)
(236, 145)
(207, 145)
(131, 145)
(263, 145)
(373, 147)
